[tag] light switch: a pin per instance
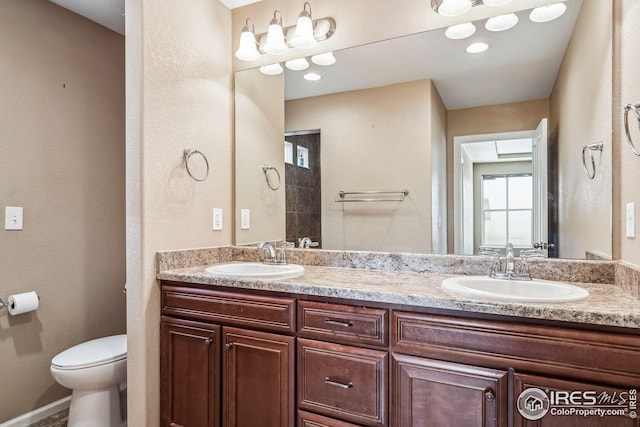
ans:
(217, 219)
(631, 220)
(13, 218)
(245, 219)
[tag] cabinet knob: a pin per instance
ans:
(489, 395)
(228, 346)
(208, 341)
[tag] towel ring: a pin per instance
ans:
(266, 170)
(188, 152)
(598, 146)
(635, 108)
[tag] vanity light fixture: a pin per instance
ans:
(324, 59)
(547, 13)
(248, 50)
(298, 64)
(477, 47)
(312, 77)
(501, 22)
(271, 69)
(460, 31)
(275, 44)
(304, 36)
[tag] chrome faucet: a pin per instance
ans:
(306, 243)
(509, 271)
(269, 250)
(273, 256)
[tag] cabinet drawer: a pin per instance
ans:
(589, 355)
(344, 382)
(266, 313)
(307, 419)
(343, 323)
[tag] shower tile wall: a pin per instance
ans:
(303, 191)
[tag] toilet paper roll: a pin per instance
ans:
(23, 303)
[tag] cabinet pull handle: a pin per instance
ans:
(208, 341)
(228, 346)
(338, 323)
(328, 381)
(489, 395)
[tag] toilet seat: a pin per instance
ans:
(92, 353)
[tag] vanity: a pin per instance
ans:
(343, 347)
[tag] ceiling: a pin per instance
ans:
(110, 13)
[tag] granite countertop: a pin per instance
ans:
(607, 304)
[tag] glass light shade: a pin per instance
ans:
(323, 26)
(247, 51)
(547, 13)
(271, 69)
(477, 47)
(454, 7)
(312, 77)
(303, 38)
(275, 44)
(324, 59)
(496, 2)
(460, 31)
(501, 22)
(297, 64)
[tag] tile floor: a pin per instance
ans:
(55, 420)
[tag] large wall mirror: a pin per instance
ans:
(415, 145)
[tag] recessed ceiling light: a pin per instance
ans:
(312, 77)
(547, 13)
(324, 59)
(460, 31)
(477, 47)
(271, 69)
(496, 2)
(501, 22)
(454, 7)
(298, 64)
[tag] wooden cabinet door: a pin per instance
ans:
(190, 374)
(258, 379)
(557, 409)
(433, 393)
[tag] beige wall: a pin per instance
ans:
(62, 159)
(514, 117)
(374, 139)
(626, 165)
(179, 94)
(259, 141)
(580, 107)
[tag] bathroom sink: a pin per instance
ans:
(255, 270)
(514, 290)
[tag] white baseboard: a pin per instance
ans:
(38, 414)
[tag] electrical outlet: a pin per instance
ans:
(631, 220)
(13, 218)
(217, 219)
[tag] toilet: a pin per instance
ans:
(94, 371)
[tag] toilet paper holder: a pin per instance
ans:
(6, 304)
